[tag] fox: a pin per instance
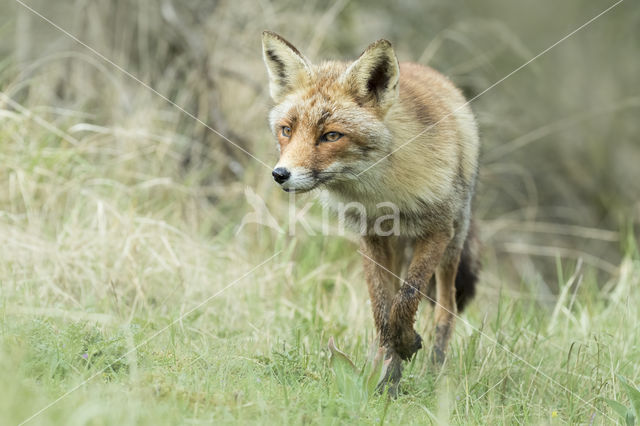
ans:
(377, 131)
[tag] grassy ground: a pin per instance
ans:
(103, 261)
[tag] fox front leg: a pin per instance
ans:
(382, 269)
(378, 259)
(400, 334)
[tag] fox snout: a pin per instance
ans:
(294, 179)
(280, 175)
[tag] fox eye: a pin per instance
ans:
(331, 136)
(286, 131)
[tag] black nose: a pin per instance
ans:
(281, 174)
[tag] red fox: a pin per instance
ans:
(375, 131)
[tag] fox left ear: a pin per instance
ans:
(287, 67)
(374, 76)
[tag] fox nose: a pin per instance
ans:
(280, 174)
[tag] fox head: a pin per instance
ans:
(328, 118)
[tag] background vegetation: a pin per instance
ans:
(120, 213)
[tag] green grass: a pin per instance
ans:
(101, 253)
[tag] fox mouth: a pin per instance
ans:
(298, 190)
(312, 180)
(302, 189)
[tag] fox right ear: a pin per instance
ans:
(374, 76)
(287, 67)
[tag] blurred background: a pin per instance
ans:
(560, 173)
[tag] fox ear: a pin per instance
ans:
(374, 76)
(287, 67)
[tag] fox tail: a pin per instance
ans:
(468, 269)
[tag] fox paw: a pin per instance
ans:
(406, 344)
